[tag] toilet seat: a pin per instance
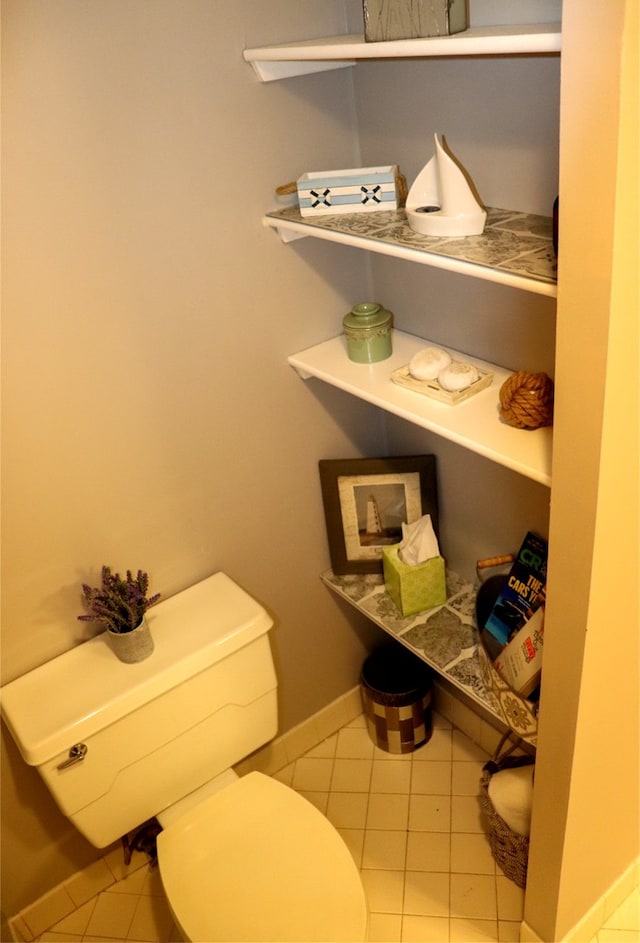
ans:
(258, 862)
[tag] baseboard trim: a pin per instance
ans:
(596, 917)
(295, 743)
(300, 739)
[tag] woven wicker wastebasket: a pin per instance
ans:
(510, 850)
(396, 695)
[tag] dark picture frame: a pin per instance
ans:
(366, 500)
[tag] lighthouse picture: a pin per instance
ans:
(366, 502)
(380, 509)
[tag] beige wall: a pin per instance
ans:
(585, 829)
(150, 417)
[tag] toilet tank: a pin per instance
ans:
(150, 732)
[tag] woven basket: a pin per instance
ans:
(510, 850)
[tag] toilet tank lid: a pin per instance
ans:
(87, 688)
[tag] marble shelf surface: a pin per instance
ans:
(447, 639)
(514, 247)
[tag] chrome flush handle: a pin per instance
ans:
(77, 754)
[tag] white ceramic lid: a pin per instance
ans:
(84, 690)
(258, 862)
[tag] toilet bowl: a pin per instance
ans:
(118, 744)
(258, 862)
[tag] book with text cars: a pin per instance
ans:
(523, 591)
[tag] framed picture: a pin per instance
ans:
(366, 501)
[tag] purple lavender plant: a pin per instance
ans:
(119, 604)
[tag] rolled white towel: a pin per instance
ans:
(511, 793)
(428, 362)
(457, 376)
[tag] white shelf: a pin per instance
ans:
(474, 424)
(515, 248)
(289, 59)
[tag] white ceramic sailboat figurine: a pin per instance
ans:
(441, 201)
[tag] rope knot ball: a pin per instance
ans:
(526, 400)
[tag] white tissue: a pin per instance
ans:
(419, 542)
(511, 793)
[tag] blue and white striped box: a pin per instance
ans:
(363, 190)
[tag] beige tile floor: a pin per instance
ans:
(414, 828)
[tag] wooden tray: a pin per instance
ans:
(432, 388)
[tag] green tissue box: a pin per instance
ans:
(413, 588)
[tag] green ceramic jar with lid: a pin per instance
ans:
(367, 329)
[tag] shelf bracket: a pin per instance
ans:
(302, 373)
(271, 70)
(286, 233)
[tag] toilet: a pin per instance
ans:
(241, 857)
